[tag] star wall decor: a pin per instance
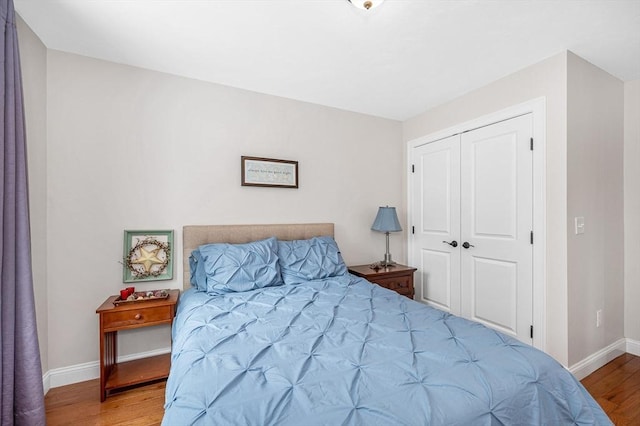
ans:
(149, 258)
(147, 255)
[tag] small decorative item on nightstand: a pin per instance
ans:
(398, 278)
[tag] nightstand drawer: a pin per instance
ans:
(135, 317)
(402, 285)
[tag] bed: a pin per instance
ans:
(329, 348)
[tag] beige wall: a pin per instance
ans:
(136, 149)
(33, 56)
(545, 79)
(595, 105)
(632, 210)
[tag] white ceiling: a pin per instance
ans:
(395, 61)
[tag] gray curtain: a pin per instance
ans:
(21, 375)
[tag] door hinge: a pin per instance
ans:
(531, 237)
(413, 229)
(413, 168)
(531, 331)
(531, 144)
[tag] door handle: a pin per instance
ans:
(453, 243)
(467, 245)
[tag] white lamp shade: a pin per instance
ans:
(386, 220)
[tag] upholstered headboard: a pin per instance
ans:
(193, 236)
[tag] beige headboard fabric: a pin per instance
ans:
(193, 236)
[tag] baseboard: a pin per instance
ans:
(46, 382)
(88, 371)
(73, 374)
(591, 363)
(633, 347)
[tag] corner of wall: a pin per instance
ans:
(595, 192)
(631, 209)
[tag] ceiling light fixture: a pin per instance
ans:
(365, 4)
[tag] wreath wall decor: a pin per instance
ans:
(147, 256)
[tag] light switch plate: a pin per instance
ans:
(579, 221)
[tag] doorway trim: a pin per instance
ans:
(537, 108)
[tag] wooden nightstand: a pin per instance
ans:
(398, 278)
(124, 317)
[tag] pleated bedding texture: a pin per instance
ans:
(344, 351)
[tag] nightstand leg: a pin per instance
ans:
(108, 353)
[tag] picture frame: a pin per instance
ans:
(148, 255)
(269, 172)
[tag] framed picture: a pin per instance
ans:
(148, 256)
(269, 172)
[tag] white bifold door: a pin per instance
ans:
(472, 214)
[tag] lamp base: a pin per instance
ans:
(387, 262)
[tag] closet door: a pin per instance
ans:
(472, 214)
(436, 223)
(496, 167)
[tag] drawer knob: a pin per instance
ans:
(138, 316)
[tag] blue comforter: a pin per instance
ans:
(344, 351)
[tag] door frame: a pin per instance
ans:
(536, 107)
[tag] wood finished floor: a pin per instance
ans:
(616, 387)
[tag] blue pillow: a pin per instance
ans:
(226, 268)
(196, 266)
(313, 259)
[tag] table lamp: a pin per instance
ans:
(386, 221)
